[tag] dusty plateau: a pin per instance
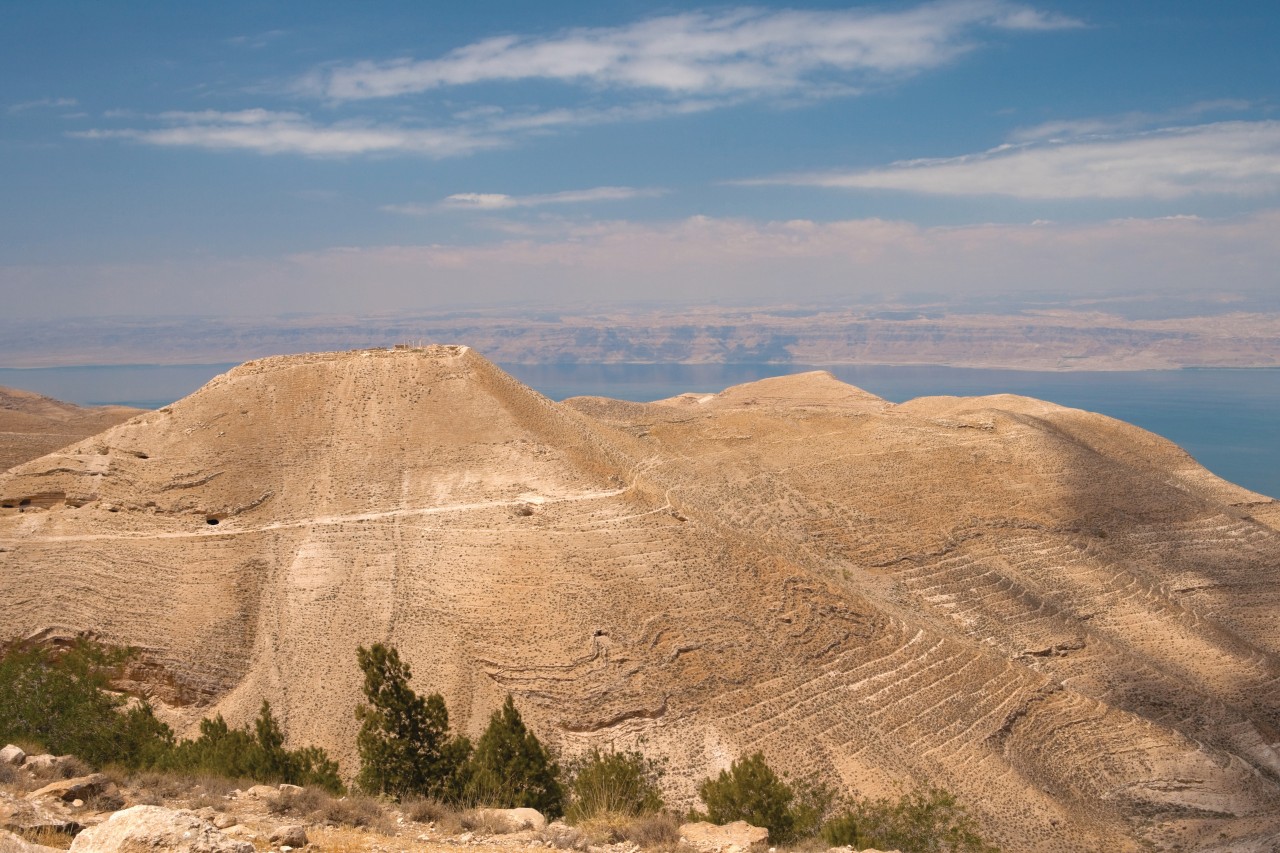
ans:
(1058, 616)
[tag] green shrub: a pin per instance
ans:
(923, 821)
(749, 790)
(617, 783)
(58, 699)
(404, 743)
(511, 769)
(256, 754)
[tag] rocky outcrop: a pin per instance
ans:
(12, 755)
(143, 828)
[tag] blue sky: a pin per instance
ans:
(241, 158)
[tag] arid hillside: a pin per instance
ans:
(1058, 616)
(32, 425)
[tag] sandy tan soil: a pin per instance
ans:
(1059, 616)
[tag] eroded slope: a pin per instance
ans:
(1058, 616)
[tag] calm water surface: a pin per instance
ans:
(1229, 420)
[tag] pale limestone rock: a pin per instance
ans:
(292, 836)
(519, 819)
(12, 755)
(152, 828)
(260, 792)
(731, 837)
(47, 763)
(68, 790)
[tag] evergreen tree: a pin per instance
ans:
(404, 739)
(511, 769)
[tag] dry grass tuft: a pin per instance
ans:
(564, 837)
(427, 810)
(155, 787)
(49, 837)
(342, 839)
(654, 831)
(358, 811)
(658, 831)
(302, 803)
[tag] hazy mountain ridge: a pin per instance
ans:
(1058, 615)
(1037, 337)
(32, 425)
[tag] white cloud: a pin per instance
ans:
(42, 103)
(267, 132)
(500, 201)
(705, 53)
(1126, 122)
(1238, 158)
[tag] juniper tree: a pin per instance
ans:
(404, 739)
(511, 769)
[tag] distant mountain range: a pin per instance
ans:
(1096, 336)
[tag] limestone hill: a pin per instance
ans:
(1058, 616)
(32, 425)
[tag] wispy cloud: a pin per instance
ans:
(500, 201)
(256, 41)
(269, 132)
(276, 132)
(705, 53)
(1239, 158)
(1126, 122)
(42, 103)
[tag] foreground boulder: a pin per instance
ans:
(29, 818)
(12, 755)
(143, 828)
(732, 837)
(290, 836)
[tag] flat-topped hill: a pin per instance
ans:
(32, 425)
(1058, 616)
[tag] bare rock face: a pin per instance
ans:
(156, 828)
(32, 425)
(1061, 618)
(736, 837)
(12, 755)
